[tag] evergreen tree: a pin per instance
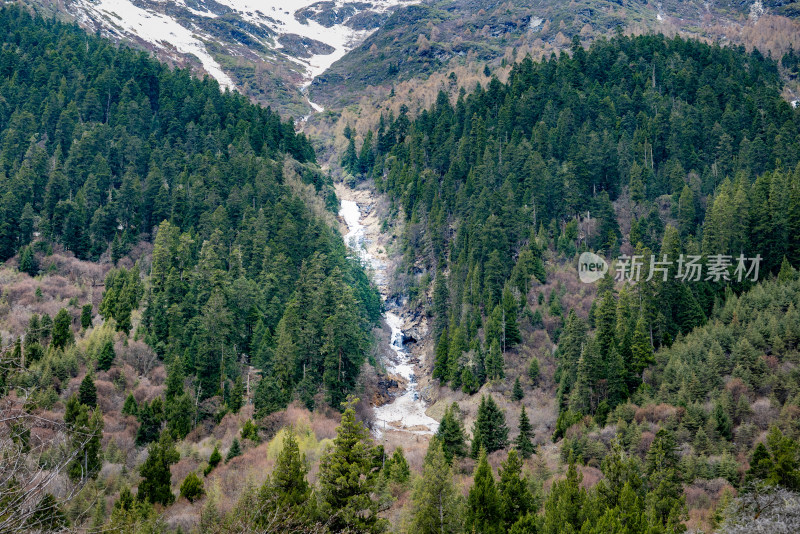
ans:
(665, 501)
(396, 468)
(347, 477)
(237, 395)
(517, 393)
(192, 487)
(516, 500)
(234, 451)
(451, 434)
(483, 503)
(533, 370)
(495, 362)
(86, 316)
(565, 508)
(87, 392)
(87, 433)
(490, 431)
(288, 485)
(155, 486)
(436, 505)
(106, 357)
(523, 442)
(62, 329)
(130, 407)
(213, 460)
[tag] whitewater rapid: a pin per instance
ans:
(406, 411)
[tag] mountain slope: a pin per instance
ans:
(267, 49)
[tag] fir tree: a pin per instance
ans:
(62, 330)
(130, 407)
(287, 486)
(516, 500)
(192, 487)
(533, 370)
(517, 393)
(88, 430)
(396, 467)
(451, 434)
(86, 316)
(483, 502)
(490, 431)
(436, 504)
(237, 395)
(494, 362)
(347, 477)
(87, 393)
(523, 442)
(234, 451)
(106, 357)
(155, 486)
(213, 460)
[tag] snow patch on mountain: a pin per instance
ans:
(186, 26)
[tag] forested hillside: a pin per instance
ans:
(662, 130)
(185, 335)
(106, 152)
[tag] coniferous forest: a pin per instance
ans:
(188, 343)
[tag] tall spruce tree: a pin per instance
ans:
(523, 441)
(483, 503)
(489, 431)
(436, 502)
(347, 478)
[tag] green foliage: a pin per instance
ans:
(249, 431)
(490, 431)
(87, 392)
(192, 487)
(130, 407)
(62, 330)
(436, 501)
(517, 393)
(123, 290)
(451, 434)
(156, 477)
(106, 357)
(234, 451)
(86, 316)
(87, 431)
(483, 503)
(213, 460)
(516, 500)
(396, 467)
(523, 442)
(347, 477)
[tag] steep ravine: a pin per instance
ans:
(406, 411)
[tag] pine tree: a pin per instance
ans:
(86, 316)
(287, 487)
(495, 362)
(155, 486)
(192, 487)
(106, 357)
(62, 330)
(483, 502)
(237, 395)
(175, 379)
(565, 508)
(451, 434)
(130, 407)
(436, 505)
(87, 393)
(396, 467)
(88, 430)
(490, 431)
(533, 370)
(516, 500)
(347, 477)
(234, 451)
(665, 502)
(213, 460)
(517, 393)
(523, 442)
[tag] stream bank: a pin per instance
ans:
(406, 410)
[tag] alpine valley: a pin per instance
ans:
(412, 266)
